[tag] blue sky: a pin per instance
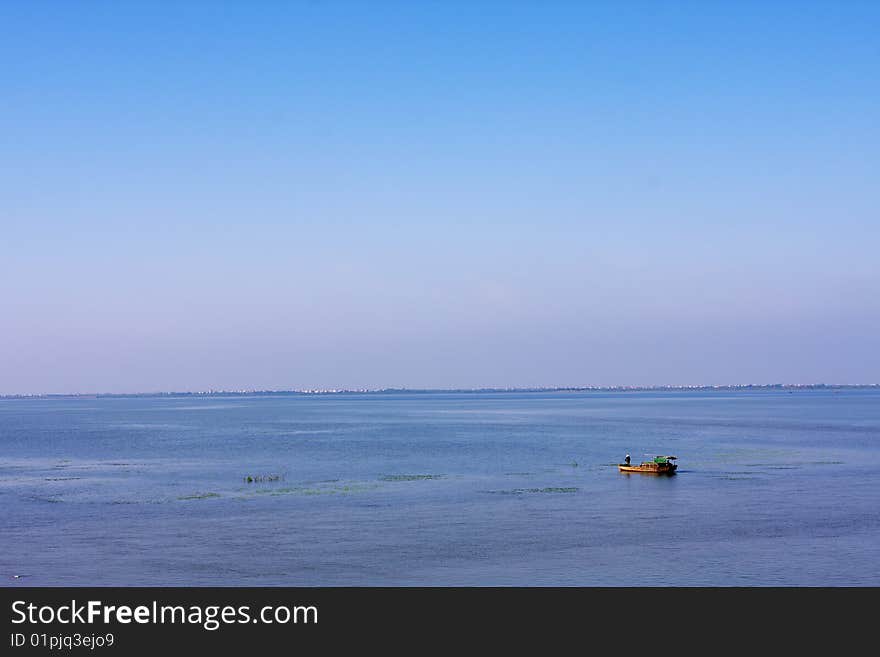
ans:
(206, 195)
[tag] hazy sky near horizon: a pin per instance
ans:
(235, 195)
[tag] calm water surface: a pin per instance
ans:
(774, 488)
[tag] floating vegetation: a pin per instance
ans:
(413, 477)
(199, 496)
(259, 479)
(62, 478)
(553, 489)
(51, 500)
(549, 489)
(280, 491)
(311, 490)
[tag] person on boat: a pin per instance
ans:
(626, 460)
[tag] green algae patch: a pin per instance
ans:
(549, 489)
(347, 489)
(199, 496)
(262, 478)
(552, 489)
(411, 477)
(49, 500)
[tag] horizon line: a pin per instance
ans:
(331, 391)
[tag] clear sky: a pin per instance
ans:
(233, 195)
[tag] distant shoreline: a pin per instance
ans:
(378, 391)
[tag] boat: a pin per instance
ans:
(659, 465)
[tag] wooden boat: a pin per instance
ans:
(659, 465)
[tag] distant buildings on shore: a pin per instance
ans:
(373, 391)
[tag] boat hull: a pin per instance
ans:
(649, 468)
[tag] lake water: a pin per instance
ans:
(774, 488)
